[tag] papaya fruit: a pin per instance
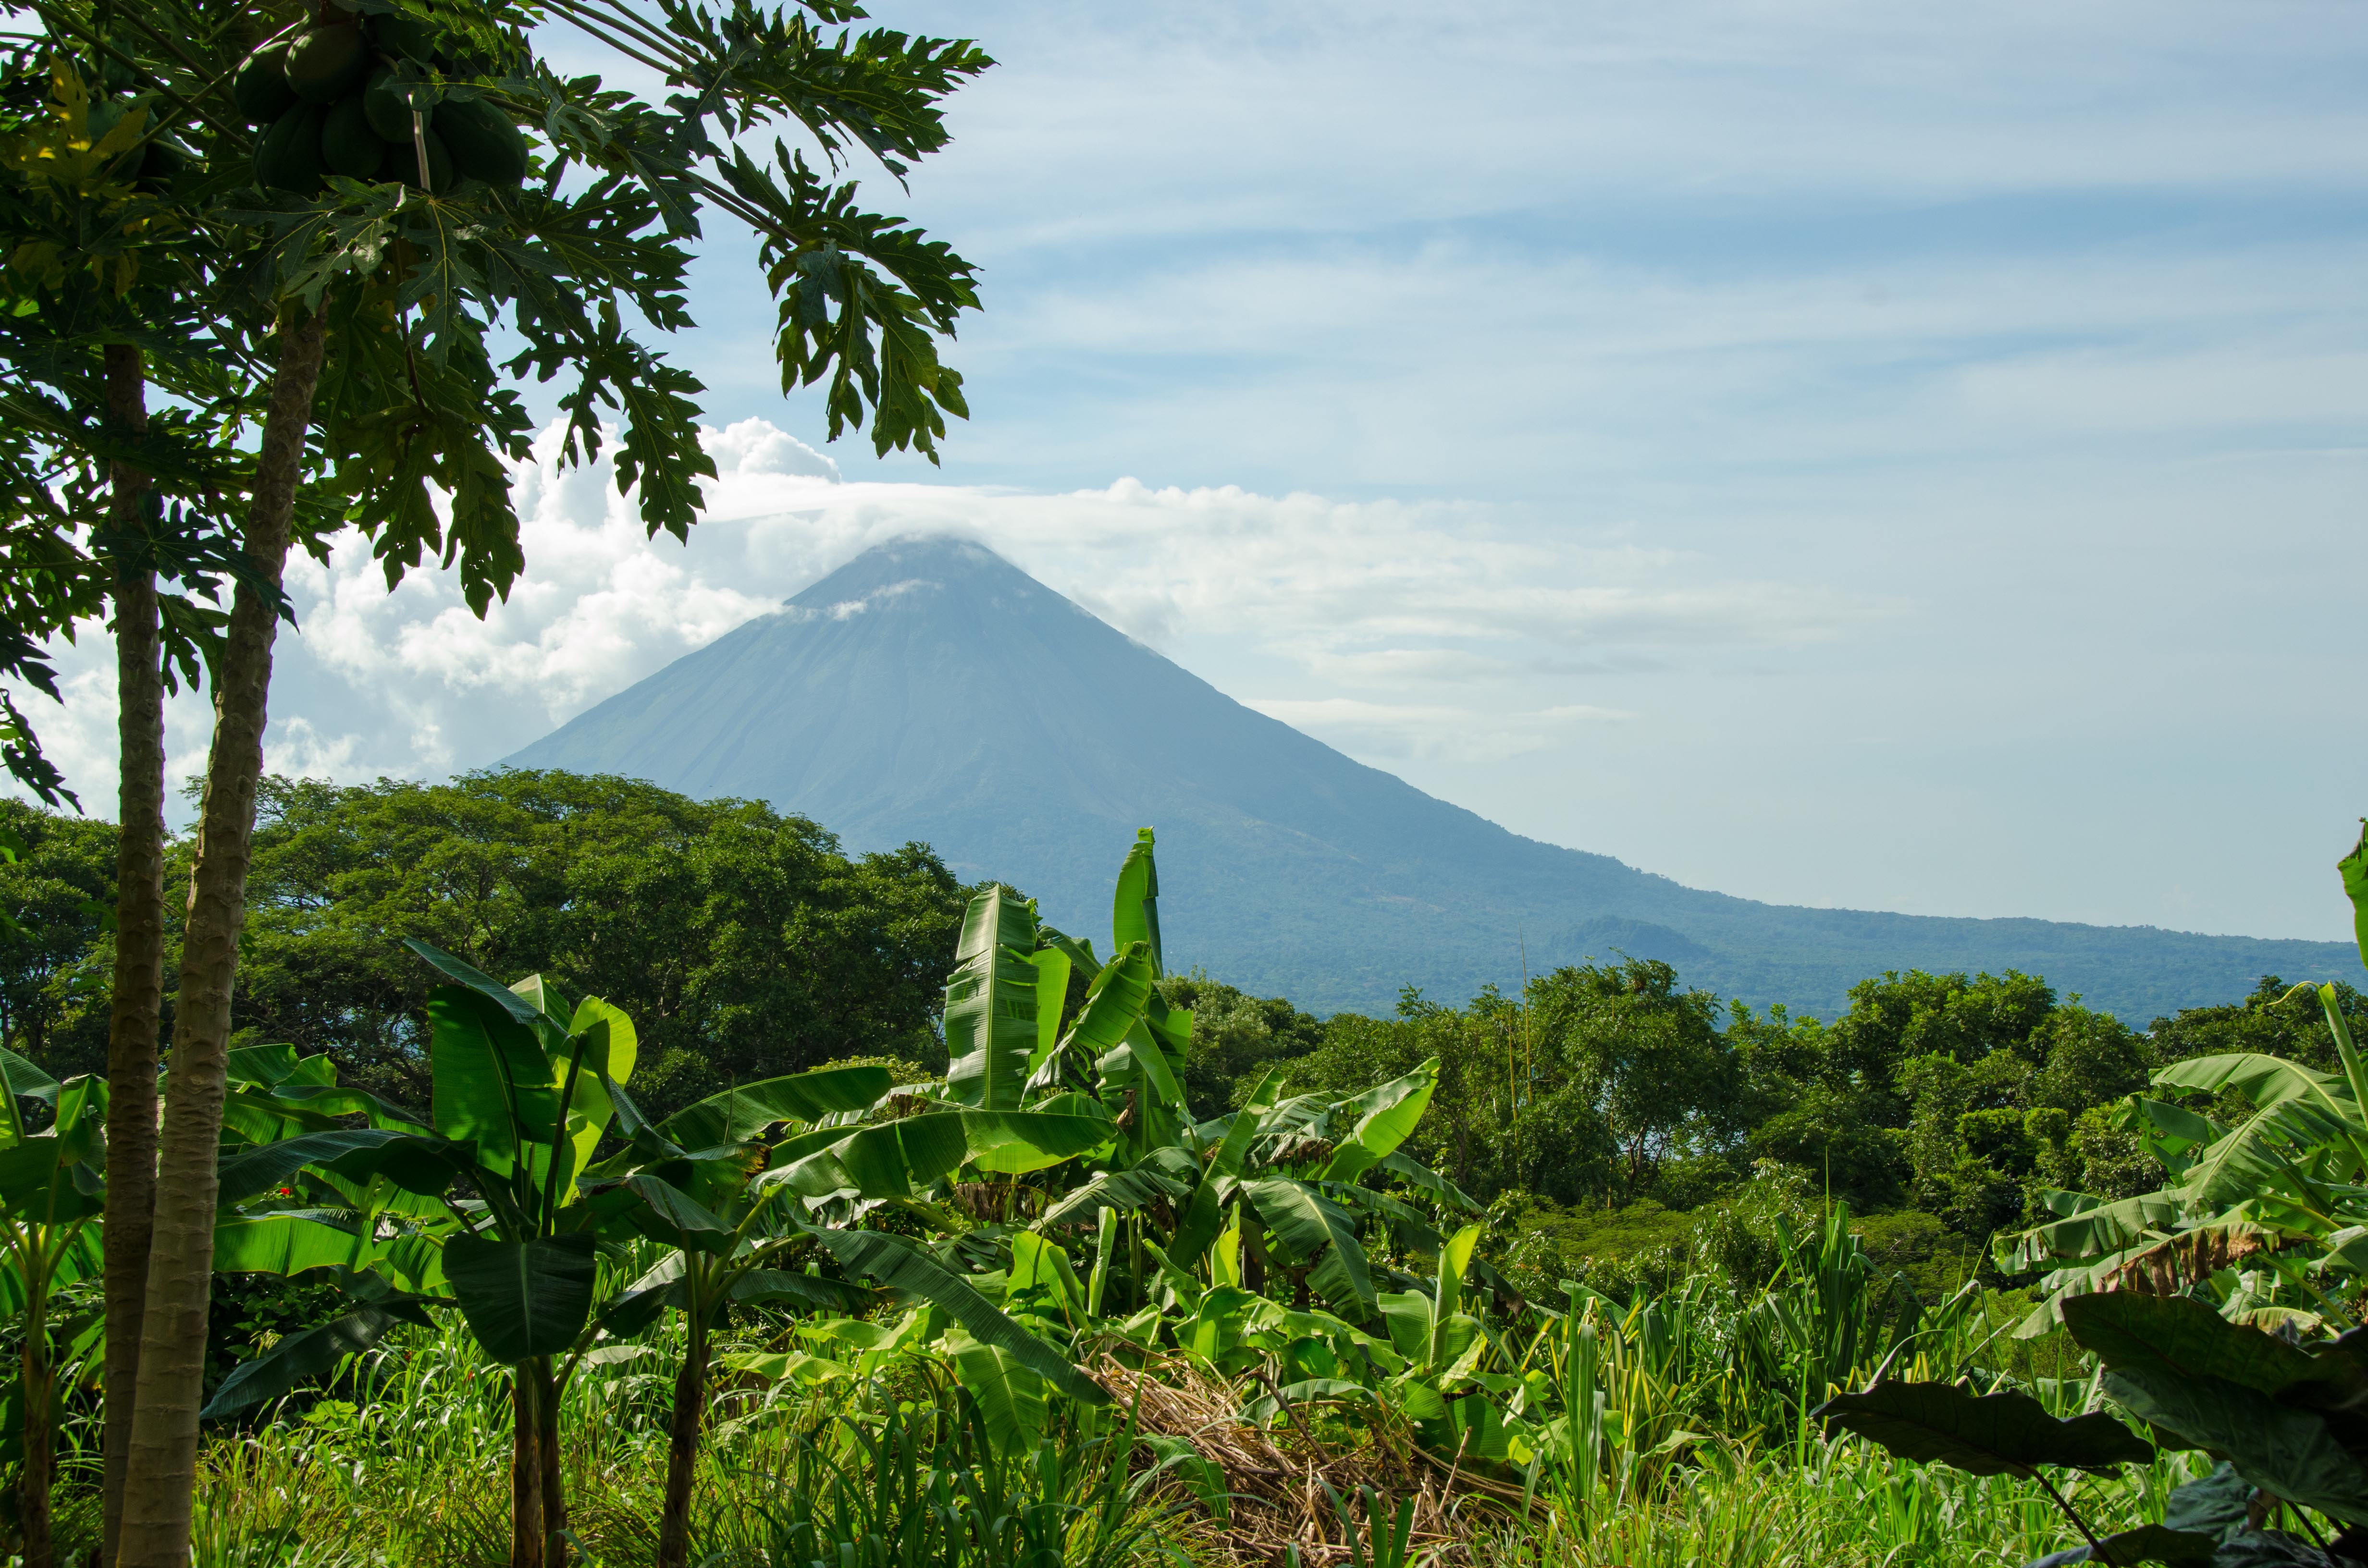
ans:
(484, 144)
(287, 156)
(328, 63)
(407, 35)
(165, 159)
(260, 90)
(348, 145)
(388, 112)
(402, 164)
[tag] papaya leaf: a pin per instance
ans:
(2008, 1433)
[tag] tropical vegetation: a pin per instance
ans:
(1117, 1264)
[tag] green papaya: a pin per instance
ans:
(402, 164)
(348, 145)
(485, 145)
(260, 90)
(328, 63)
(287, 156)
(388, 112)
(408, 36)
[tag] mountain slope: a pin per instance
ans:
(930, 690)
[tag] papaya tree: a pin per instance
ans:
(560, 210)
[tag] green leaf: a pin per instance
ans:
(261, 1170)
(315, 1353)
(2181, 1336)
(521, 1009)
(1114, 1003)
(2291, 1453)
(2147, 1544)
(1995, 1434)
(492, 1081)
(740, 1114)
(1386, 1115)
(1204, 1215)
(895, 1159)
(669, 1215)
(1053, 969)
(285, 1245)
(1009, 1395)
(1125, 1191)
(1315, 1231)
(523, 1299)
(1134, 908)
(990, 1003)
(901, 1265)
(809, 1293)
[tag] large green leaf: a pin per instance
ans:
(668, 1214)
(990, 1003)
(2181, 1336)
(260, 1170)
(2148, 1543)
(2290, 1453)
(1114, 1003)
(1204, 1214)
(523, 1299)
(895, 1159)
(37, 1184)
(1315, 1231)
(1134, 906)
(1053, 969)
(2103, 1228)
(901, 1265)
(1125, 1191)
(491, 1079)
(314, 1353)
(739, 1114)
(285, 1243)
(809, 1293)
(1008, 1394)
(525, 1010)
(1385, 1115)
(1994, 1434)
(2264, 1080)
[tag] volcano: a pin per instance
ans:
(929, 690)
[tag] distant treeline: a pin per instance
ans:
(746, 943)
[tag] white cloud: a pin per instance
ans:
(1338, 598)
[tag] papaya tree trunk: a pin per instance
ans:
(555, 1498)
(163, 1457)
(525, 1471)
(682, 1449)
(138, 1003)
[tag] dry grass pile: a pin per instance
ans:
(1278, 1477)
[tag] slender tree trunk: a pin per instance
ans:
(133, 1019)
(682, 1449)
(163, 1459)
(40, 1459)
(554, 1499)
(526, 1470)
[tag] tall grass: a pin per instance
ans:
(1674, 1428)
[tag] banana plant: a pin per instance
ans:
(2275, 1201)
(732, 1209)
(52, 1194)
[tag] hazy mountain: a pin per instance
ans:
(930, 690)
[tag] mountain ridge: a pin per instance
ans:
(929, 691)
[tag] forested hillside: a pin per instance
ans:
(1612, 1114)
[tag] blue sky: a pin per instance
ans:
(1865, 454)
